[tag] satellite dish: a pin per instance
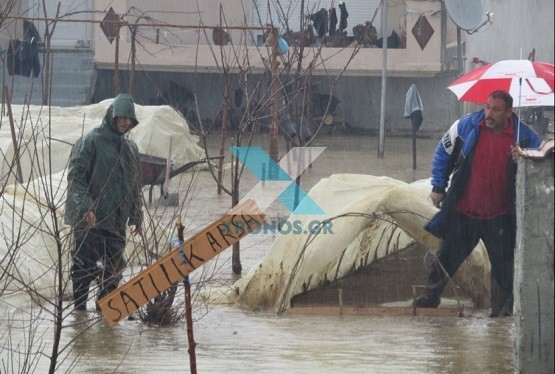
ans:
(466, 14)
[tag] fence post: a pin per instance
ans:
(533, 289)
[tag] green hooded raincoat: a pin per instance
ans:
(104, 174)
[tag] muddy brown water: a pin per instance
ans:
(234, 340)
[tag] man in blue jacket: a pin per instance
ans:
(478, 150)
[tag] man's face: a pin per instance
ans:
(497, 115)
(123, 124)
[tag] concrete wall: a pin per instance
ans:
(361, 99)
(534, 290)
(360, 96)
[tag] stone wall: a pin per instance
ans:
(534, 292)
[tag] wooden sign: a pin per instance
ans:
(181, 261)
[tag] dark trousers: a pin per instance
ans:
(97, 255)
(463, 234)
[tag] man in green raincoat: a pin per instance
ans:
(103, 197)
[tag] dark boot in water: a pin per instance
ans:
(502, 304)
(80, 295)
(431, 297)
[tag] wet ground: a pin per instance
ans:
(233, 340)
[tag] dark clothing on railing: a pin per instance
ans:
(23, 58)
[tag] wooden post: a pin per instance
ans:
(273, 149)
(133, 63)
(19, 175)
(236, 266)
(116, 64)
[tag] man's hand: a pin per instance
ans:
(516, 152)
(437, 198)
(90, 218)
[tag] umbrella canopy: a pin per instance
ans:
(530, 83)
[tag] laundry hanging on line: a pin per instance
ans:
(333, 20)
(23, 58)
(320, 22)
(343, 17)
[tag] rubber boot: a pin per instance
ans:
(502, 304)
(81, 279)
(80, 295)
(431, 296)
(96, 302)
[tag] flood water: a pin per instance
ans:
(234, 340)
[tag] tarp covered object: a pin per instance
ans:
(355, 242)
(45, 136)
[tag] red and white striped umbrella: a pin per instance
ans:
(530, 83)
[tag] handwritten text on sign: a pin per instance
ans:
(178, 263)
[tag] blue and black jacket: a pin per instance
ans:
(453, 158)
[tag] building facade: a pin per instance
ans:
(169, 52)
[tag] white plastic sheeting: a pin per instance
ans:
(28, 246)
(356, 240)
(31, 221)
(45, 136)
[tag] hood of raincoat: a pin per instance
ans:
(122, 106)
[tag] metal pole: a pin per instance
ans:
(413, 148)
(384, 80)
(459, 67)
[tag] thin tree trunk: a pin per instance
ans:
(116, 64)
(14, 138)
(236, 266)
(273, 150)
(188, 309)
(223, 131)
(47, 71)
(190, 335)
(58, 305)
(133, 55)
